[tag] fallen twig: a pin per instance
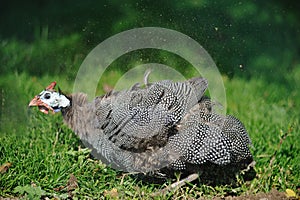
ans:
(176, 185)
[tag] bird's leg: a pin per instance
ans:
(251, 165)
(177, 184)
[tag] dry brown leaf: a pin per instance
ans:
(5, 167)
(113, 193)
(290, 193)
(72, 183)
(59, 188)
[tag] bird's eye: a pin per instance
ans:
(47, 96)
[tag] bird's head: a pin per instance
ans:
(50, 100)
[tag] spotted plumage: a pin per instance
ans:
(161, 125)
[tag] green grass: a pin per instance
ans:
(256, 46)
(44, 153)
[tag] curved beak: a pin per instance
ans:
(43, 107)
(34, 102)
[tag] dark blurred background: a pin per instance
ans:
(245, 38)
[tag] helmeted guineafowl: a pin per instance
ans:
(164, 124)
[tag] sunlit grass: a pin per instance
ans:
(44, 153)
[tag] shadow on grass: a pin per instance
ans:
(209, 174)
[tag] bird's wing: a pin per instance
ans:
(142, 120)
